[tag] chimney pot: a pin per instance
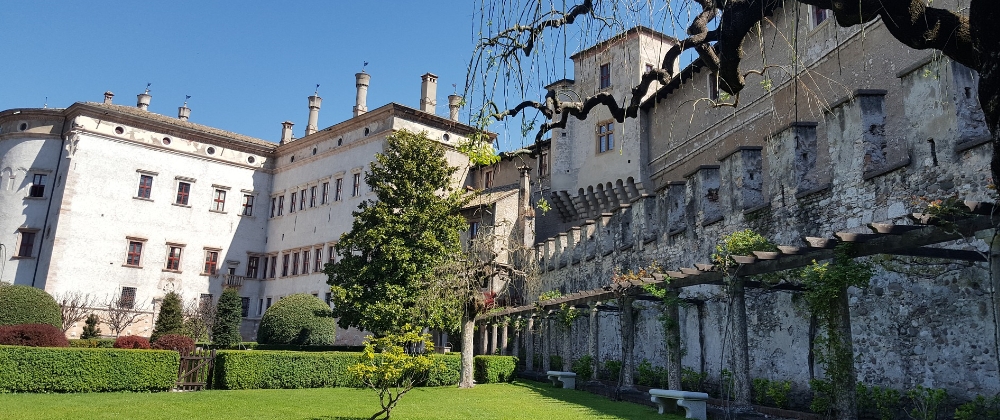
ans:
(143, 101)
(454, 103)
(360, 103)
(183, 113)
(428, 92)
(108, 96)
(314, 103)
(286, 132)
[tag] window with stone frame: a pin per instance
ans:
(247, 205)
(605, 81)
(281, 204)
(274, 205)
(326, 193)
(339, 191)
(302, 200)
(284, 265)
(357, 186)
(312, 196)
(818, 15)
(274, 266)
(605, 136)
(305, 262)
(295, 263)
(126, 300)
(145, 187)
(211, 262)
(174, 252)
(713, 86)
(183, 193)
(26, 247)
(488, 178)
(37, 189)
(253, 262)
(219, 200)
(330, 253)
(543, 164)
(244, 306)
(133, 255)
(319, 260)
(295, 196)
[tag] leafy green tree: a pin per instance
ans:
(228, 316)
(399, 240)
(90, 328)
(386, 366)
(171, 317)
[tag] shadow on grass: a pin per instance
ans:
(338, 418)
(597, 403)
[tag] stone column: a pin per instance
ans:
(481, 345)
(529, 345)
(493, 339)
(592, 338)
(515, 349)
(546, 343)
(741, 351)
(502, 345)
(628, 341)
(673, 339)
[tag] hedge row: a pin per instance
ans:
(36, 369)
(253, 345)
(289, 370)
(494, 369)
(93, 343)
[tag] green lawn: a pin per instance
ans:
(489, 401)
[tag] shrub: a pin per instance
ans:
(388, 369)
(555, 362)
(298, 319)
(979, 408)
(612, 368)
(226, 327)
(176, 342)
(265, 369)
(131, 342)
(171, 317)
(32, 369)
(90, 328)
(33, 335)
(494, 369)
(27, 305)
(583, 367)
(93, 343)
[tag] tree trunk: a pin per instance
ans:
(741, 351)
(468, 328)
(627, 317)
(673, 334)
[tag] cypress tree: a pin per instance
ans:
(171, 318)
(228, 315)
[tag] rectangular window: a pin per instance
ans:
(291, 208)
(295, 263)
(183, 192)
(252, 263)
(302, 200)
(127, 298)
(319, 260)
(134, 255)
(605, 75)
(37, 186)
(211, 262)
(819, 15)
(174, 257)
(327, 297)
(605, 136)
(263, 273)
(27, 246)
(268, 303)
(339, 193)
(543, 164)
(329, 254)
(274, 201)
(247, 205)
(357, 186)
(473, 230)
(205, 301)
(260, 307)
(312, 196)
(488, 179)
(713, 87)
(284, 265)
(274, 266)
(244, 307)
(145, 186)
(305, 262)
(219, 201)
(281, 204)
(326, 193)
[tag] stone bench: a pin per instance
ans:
(568, 379)
(693, 402)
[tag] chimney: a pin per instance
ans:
(360, 104)
(107, 97)
(454, 103)
(286, 132)
(314, 102)
(428, 93)
(143, 102)
(183, 112)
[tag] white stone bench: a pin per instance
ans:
(568, 379)
(693, 402)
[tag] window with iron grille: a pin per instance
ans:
(252, 263)
(211, 262)
(605, 75)
(247, 205)
(127, 299)
(37, 186)
(244, 307)
(205, 301)
(134, 254)
(357, 186)
(605, 136)
(339, 193)
(312, 196)
(145, 186)
(183, 192)
(174, 258)
(219, 200)
(291, 208)
(27, 245)
(326, 193)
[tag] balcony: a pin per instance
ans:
(232, 280)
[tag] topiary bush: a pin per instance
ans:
(176, 342)
(132, 342)
(21, 304)
(298, 319)
(226, 328)
(32, 335)
(170, 320)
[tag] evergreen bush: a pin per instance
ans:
(176, 342)
(298, 319)
(93, 343)
(131, 342)
(171, 317)
(90, 328)
(228, 316)
(21, 304)
(32, 335)
(494, 369)
(33, 369)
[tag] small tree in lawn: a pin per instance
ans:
(171, 317)
(392, 365)
(228, 316)
(90, 328)
(398, 241)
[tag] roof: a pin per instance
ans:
(492, 195)
(136, 112)
(625, 35)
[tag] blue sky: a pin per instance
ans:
(248, 66)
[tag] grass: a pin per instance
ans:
(488, 401)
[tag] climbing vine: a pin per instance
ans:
(826, 285)
(566, 315)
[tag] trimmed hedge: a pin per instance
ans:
(93, 343)
(299, 319)
(236, 369)
(21, 304)
(494, 369)
(35, 369)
